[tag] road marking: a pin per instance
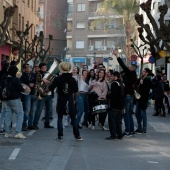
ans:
(14, 153)
(31, 132)
(152, 162)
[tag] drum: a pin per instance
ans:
(27, 90)
(100, 106)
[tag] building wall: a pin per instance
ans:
(82, 42)
(53, 22)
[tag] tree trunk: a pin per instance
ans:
(141, 67)
(128, 42)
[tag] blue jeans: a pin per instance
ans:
(61, 104)
(82, 107)
(128, 119)
(2, 115)
(47, 102)
(28, 105)
(16, 107)
(141, 116)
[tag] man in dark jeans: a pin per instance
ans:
(129, 81)
(117, 104)
(67, 89)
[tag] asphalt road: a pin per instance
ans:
(41, 151)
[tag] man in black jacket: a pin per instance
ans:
(28, 78)
(67, 89)
(116, 110)
(144, 85)
(129, 81)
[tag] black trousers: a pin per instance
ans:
(159, 105)
(115, 122)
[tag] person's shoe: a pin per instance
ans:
(155, 114)
(163, 115)
(93, 128)
(51, 118)
(9, 135)
(30, 128)
(43, 119)
(48, 126)
(19, 136)
(119, 137)
(60, 138)
(24, 128)
(143, 131)
(104, 128)
(89, 126)
(35, 128)
(79, 138)
(2, 132)
(66, 124)
(80, 126)
(127, 134)
(110, 138)
(138, 131)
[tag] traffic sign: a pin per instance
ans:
(133, 62)
(134, 57)
(151, 60)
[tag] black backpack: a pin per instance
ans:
(6, 90)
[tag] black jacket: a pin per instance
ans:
(15, 88)
(116, 96)
(60, 81)
(129, 78)
(144, 90)
(27, 79)
(158, 87)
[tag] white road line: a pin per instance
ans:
(31, 132)
(152, 162)
(14, 153)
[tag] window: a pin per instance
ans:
(98, 26)
(79, 44)
(111, 25)
(154, 5)
(70, 8)
(81, 7)
(109, 43)
(98, 45)
(28, 2)
(32, 4)
(19, 22)
(98, 5)
(80, 25)
(22, 23)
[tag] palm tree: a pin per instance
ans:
(125, 9)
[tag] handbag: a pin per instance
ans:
(137, 95)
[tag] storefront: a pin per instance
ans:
(5, 53)
(79, 61)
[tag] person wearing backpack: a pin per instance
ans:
(116, 108)
(67, 92)
(12, 101)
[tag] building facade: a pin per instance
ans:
(5, 50)
(53, 16)
(84, 45)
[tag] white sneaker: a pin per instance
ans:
(66, 124)
(9, 135)
(89, 126)
(92, 128)
(104, 128)
(19, 136)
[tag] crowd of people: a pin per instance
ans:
(79, 91)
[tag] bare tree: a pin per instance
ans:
(4, 33)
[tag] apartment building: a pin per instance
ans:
(85, 45)
(5, 50)
(53, 16)
(162, 64)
